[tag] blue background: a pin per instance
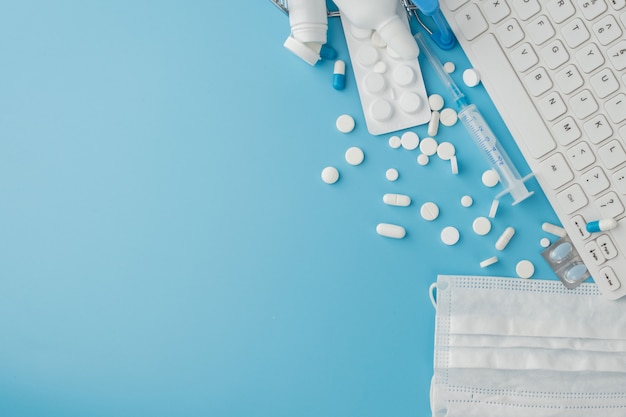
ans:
(167, 245)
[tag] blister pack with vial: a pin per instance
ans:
(391, 89)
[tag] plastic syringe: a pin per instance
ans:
(481, 133)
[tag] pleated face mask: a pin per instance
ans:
(510, 347)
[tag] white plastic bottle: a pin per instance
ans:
(308, 20)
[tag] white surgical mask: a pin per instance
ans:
(511, 347)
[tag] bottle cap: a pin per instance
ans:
(302, 50)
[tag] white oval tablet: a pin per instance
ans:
(403, 75)
(467, 201)
(345, 123)
(471, 77)
(435, 101)
(395, 142)
(450, 235)
(454, 165)
(446, 150)
(330, 175)
(490, 178)
(354, 155)
(423, 159)
(410, 102)
(448, 117)
(390, 230)
(429, 211)
(409, 140)
(428, 146)
(399, 200)
(481, 226)
(381, 110)
(449, 67)
(525, 269)
(489, 261)
(392, 174)
(374, 83)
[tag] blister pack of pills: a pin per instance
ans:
(391, 89)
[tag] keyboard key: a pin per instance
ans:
(607, 30)
(604, 83)
(597, 129)
(568, 79)
(560, 10)
(540, 30)
(538, 81)
(510, 33)
(526, 8)
(581, 226)
(572, 198)
(575, 33)
(593, 250)
(524, 57)
(471, 22)
(555, 171)
(607, 247)
(552, 106)
(594, 181)
(591, 8)
(617, 55)
(619, 179)
(609, 278)
(589, 57)
(618, 4)
(612, 154)
(495, 10)
(616, 108)
(555, 54)
(566, 131)
(583, 104)
(580, 156)
(454, 4)
(609, 205)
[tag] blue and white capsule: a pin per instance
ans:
(339, 75)
(601, 225)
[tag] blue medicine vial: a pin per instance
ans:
(339, 75)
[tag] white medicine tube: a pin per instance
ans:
(308, 20)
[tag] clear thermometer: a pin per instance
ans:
(480, 131)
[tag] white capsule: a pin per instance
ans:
(601, 225)
(525, 269)
(489, 261)
(494, 208)
(505, 238)
(433, 124)
(553, 229)
(339, 75)
(400, 200)
(454, 165)
(390, 230)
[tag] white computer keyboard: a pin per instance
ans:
(556, 71)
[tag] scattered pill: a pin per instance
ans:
(544, 242)
(380, 67)
(553, 229)
(435, 101)
(489, 261)
(345, 123)
(490, 178)
(448, 117)
(481, 226)
(560, 252)
(354, 156)
(471, 77)
(505, 238)
(339, 75)
(400, 200)
(423, 159)
(409, 140)
(390, 230)
(428, 146)
(433, 124)
(395, 142)
(575, 273)
(525, 269)
(429, 211)
(494, 208)
(445, 151)
(392, 174)
(467, 201)
(449, 67)
(450, 235)
(454, 165)
(330, 175)
(601, 225)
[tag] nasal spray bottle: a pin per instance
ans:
(309, 25)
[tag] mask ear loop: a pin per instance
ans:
(431, 294)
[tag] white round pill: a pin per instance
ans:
(490, 178)
(525, 269)
(374, 83)
(345, 123)
(467, 201)
(409, 140)
(450, 235)
(445, 150)
(429, 211)
(330, 175)
(448, 117)
(367, 55)
(471, 77)
(428, 146)
(449, 67)
(435, 101)
(395, 142)
(544, 242)
(392, 174)
(381, 110)
(481, 226)
(423, 159)
(354, 155)
(403, 75)
(380, 67)
(410, 102)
